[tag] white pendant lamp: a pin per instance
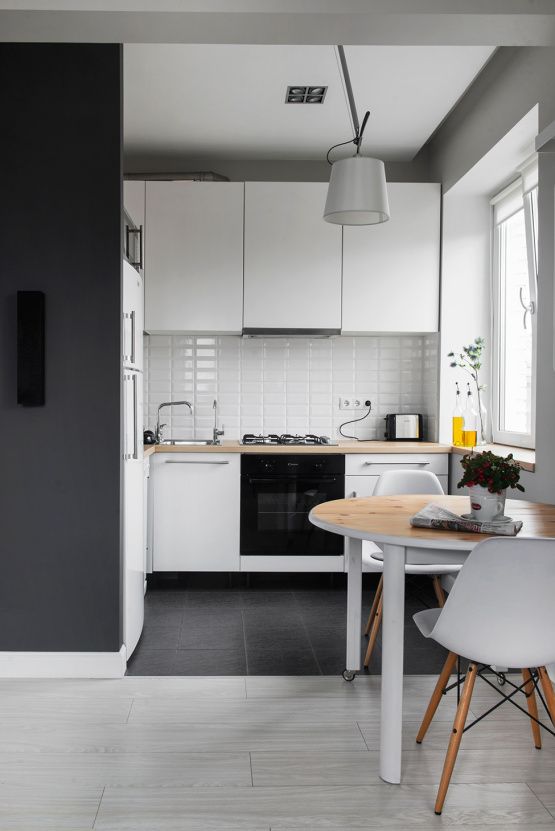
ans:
(357, 193)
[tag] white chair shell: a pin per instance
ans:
(501, 609)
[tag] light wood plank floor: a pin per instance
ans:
(256, 754)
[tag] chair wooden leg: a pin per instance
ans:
(442, 682)
(530, 691)
(548, 692)
(456, 736)
(440, 594)
(374, 608)
(374, 632)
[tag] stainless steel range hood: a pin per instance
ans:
(255, 332)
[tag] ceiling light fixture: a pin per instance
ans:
(357, 193)
(305, 95)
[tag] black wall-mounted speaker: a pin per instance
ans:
(30, 348)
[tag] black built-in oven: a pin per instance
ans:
(278, 491)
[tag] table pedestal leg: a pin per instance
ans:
(354, 602)
(391, 728)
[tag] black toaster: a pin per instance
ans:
(404, 427)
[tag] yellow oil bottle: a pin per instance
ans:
(458, 420)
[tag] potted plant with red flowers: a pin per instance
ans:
(487, 477)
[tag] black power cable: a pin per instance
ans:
(353, 421)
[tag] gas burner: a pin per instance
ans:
(287, 439)
(250, 438)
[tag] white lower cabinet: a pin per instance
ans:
(363, 471)
(194, 509)
(196, 503)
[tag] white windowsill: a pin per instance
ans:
(525, 457)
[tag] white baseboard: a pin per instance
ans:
(63, 664)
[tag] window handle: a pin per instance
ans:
(528, 307)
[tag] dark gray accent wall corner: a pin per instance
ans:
(60, 233)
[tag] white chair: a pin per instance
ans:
(419, 561)
(500, 612)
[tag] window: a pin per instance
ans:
(514, 311)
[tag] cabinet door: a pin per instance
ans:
(292, 258)
(391, 270)
(194, 257)
(196, 511)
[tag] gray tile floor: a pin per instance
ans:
(277, 625)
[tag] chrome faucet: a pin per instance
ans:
(158, 433)
(216, 433)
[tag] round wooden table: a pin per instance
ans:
(386, 520)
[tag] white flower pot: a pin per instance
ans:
(486, 506)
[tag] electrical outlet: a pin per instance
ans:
(364, 401)
(353, 402)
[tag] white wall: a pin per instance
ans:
(465, 295)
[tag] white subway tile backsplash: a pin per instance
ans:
(283, 385)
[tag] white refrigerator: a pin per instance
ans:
(132, 457)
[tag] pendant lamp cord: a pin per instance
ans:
(357, 140)
(359, 129)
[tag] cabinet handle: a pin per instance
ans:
(353, 495)
(133, 333)
(129, 354)
(414, 462)
(187, 462)
(128, 231)
(135, 429)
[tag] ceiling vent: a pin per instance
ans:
(305, 95)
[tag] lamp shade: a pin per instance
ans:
(357, 193)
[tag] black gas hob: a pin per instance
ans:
(309, 439)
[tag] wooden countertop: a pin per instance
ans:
(367, 447)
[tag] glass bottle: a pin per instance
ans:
(470, 423)
(458, 420)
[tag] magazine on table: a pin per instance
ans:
(434, 516)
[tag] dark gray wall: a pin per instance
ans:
(60, 151)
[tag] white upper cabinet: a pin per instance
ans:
(292, 258)
(194, 257)
(391, 270)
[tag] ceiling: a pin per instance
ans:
(226, 101)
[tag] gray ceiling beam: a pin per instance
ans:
(535, 27)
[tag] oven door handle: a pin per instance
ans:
(278, 479)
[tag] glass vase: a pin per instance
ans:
(482, 430)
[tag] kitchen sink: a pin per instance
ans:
(187, 442)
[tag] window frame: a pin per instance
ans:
(528, 204)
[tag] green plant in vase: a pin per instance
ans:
(470, 360)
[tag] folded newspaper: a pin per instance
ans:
(433, 516)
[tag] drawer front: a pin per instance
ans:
(372, 464)
(359, 486)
